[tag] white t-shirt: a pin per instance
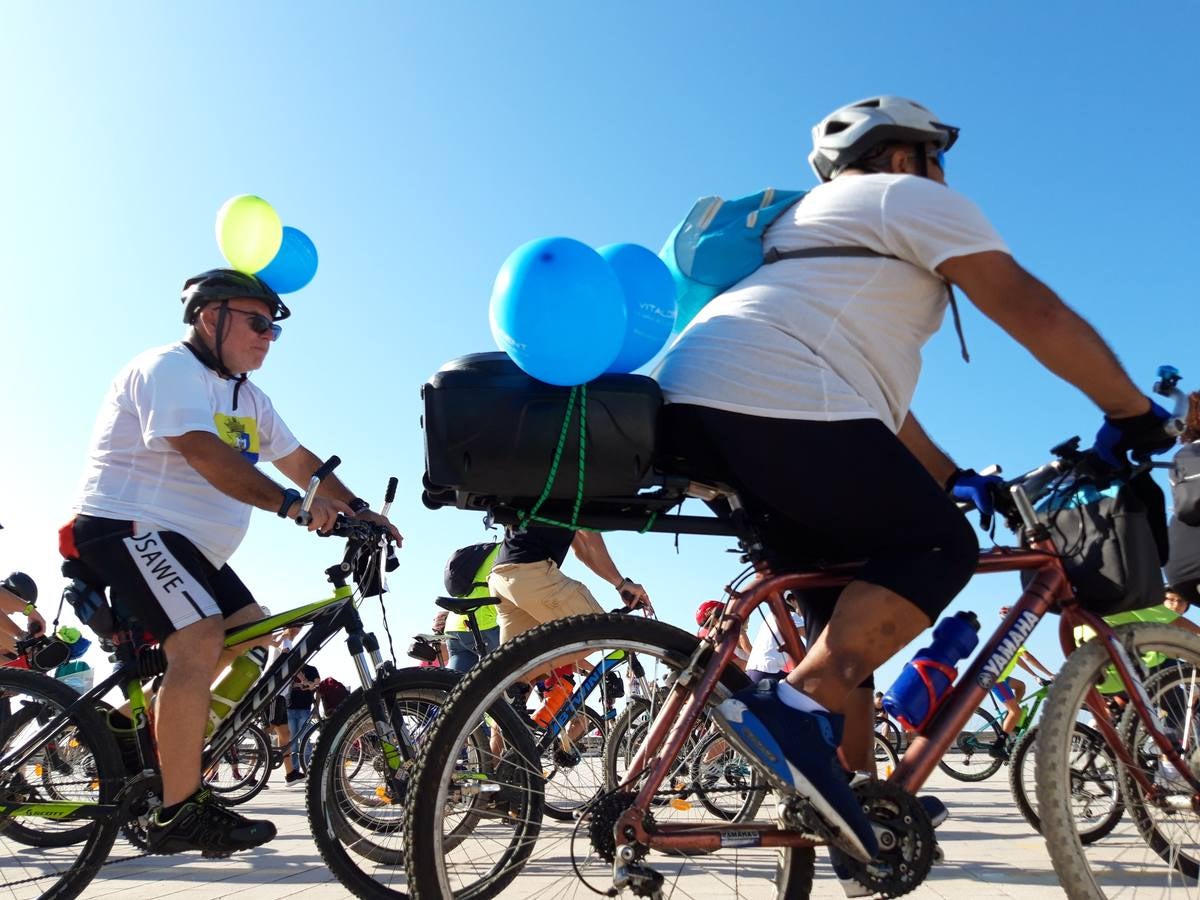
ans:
(132, 471)
(829, 339)
(766, 654)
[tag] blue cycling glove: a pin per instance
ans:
(1142, 435)
(969, 485)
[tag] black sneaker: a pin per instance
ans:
(293, 777)
(203, 824)
(999, 750)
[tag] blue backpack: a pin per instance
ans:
(720, 242)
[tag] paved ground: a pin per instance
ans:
(990, 853)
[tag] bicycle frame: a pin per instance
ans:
(678, 715)
(327, 617)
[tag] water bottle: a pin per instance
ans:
(927, 678)
(234, 686)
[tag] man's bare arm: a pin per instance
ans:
(1059, 338)
(227, 470)
(928, 454)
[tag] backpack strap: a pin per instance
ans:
(775, 255)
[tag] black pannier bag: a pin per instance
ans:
(491, 432)
(1113, 541)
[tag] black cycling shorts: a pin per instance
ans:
(158, 579)
(828, 492)
(279, 711)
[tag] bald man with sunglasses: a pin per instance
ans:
(168, 487)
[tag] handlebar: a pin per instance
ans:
(1016, 504)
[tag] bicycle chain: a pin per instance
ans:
(107, 862)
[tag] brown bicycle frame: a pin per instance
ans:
(679, 713)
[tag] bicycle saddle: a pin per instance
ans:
(462, 607)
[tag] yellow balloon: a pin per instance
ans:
(248, 232)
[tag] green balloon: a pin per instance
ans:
(248, 232)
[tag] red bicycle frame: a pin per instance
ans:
(679, 713)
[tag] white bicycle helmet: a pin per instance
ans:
(845, 135)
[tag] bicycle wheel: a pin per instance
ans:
(886, 758)
(1156, 853)
(574, 768)
(521, 853)
(681, 786)
(355, 806)
(308, 744)
(44, 771)
(970, 758)
(1095, 789)
(242, 771)
(724, 781)
(86, 767)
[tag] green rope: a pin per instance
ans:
(562, 440)
(573, 525)
(582, 455)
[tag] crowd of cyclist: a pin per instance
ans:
(172, 473)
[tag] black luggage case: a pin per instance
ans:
(491, 432)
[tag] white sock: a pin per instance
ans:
(797, 699)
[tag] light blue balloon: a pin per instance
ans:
(558, 311)
(649, 293)
(294, 265)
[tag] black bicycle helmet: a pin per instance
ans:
(22, 585)
(217, 285)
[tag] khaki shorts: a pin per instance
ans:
(532, 594)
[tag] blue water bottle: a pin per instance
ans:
(927, 678)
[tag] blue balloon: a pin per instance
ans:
(294, 265)
(558, 311)
(649, 293)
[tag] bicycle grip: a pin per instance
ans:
(390, 494)
(326, 467)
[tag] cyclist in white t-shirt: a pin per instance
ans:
(794, 387)
(167, 491)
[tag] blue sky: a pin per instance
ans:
(418, 144)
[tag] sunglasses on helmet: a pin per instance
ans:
(259, 323)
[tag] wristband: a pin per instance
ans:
(358, 504)
(30, 609)
(624, 581)
(290, 496)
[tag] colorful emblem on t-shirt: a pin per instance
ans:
(240, 433)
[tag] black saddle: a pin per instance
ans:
(461, 606)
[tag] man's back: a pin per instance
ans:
(833, 338)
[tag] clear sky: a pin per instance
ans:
(419, 143)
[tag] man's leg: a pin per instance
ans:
(283, 737)
(182, 710)
(870, 624)
(858, 740)
(297, 719)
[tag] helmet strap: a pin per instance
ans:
(922, 160)
(212, 356)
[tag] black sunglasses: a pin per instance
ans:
(259, 323)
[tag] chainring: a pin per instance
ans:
(906, 840)
(604, 813)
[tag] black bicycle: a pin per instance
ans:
(360, 768)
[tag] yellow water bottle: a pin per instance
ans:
(234, 686)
